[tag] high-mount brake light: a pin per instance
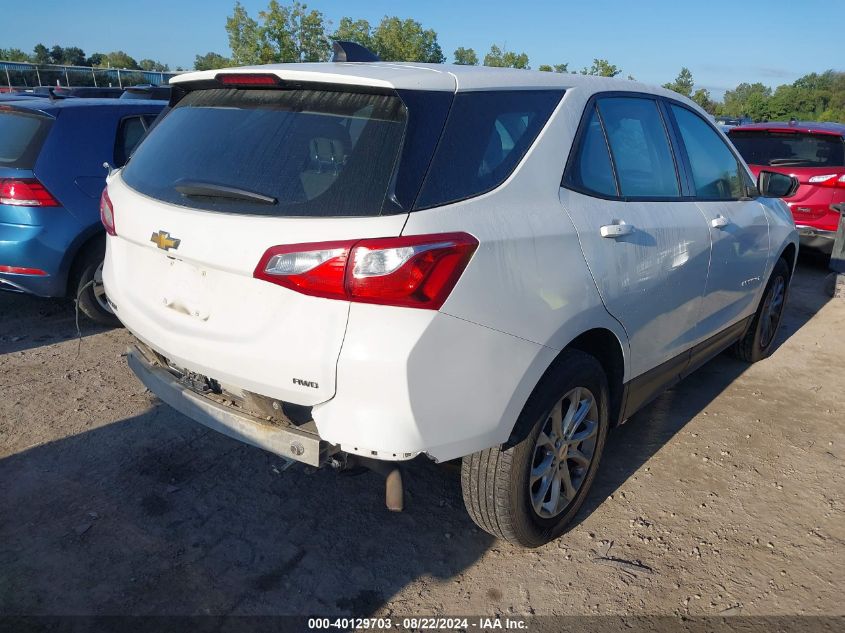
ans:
(417, 271)
(25, 192)
(107, 212)
(247, 79)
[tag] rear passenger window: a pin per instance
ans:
(715, 170)
(640, 147)
(486, 135)
(592, 169)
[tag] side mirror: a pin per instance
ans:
(771, 184)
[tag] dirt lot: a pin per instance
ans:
(726, 495)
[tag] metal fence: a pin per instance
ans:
(26, 75)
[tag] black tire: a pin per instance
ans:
(82, 288)
(759, 341)
(495, 481)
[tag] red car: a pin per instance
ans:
(812, 152)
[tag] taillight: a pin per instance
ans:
(25, 192)
(19, 270)
(417, 271)
(313, 269)
(107, 212)
(827, 180)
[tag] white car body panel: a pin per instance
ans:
(201, 307)
(394, 382)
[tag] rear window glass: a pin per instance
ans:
(21, 137)
(789, 149)
(640, 147)
(486, 135)
(592, 170)
(273, 152)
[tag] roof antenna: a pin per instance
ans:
(352, 52)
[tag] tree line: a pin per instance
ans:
(296, 33)
(75, 56)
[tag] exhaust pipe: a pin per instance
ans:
(394, 487)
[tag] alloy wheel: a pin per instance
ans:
(563, 453)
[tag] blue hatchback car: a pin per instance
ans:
(52, 152)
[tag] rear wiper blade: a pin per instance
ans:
(212, 190)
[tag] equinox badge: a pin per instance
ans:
(163, 240)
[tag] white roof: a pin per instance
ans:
(445, 77)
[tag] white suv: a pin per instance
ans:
(359, 263)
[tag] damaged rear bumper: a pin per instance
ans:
(289, 441)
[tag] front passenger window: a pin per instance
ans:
(715, 170)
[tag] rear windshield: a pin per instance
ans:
(21, 137)
(789, 149)
(273, 152)
(326, 153)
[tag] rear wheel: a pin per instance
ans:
(88, 288)
(759, 341)
(528, 493)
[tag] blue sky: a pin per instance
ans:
(722, 43)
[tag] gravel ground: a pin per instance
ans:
(725, 496)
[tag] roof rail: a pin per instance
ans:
(352, 52)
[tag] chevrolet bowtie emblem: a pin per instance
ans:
(163, 240)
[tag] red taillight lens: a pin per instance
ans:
(247, 79)
(417, 271)
(25, 192)
(315, 269)
(18, 270)
(107, 212)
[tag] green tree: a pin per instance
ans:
(97, 59)
(119, 59)
(400, 40)
(153, 65)
(357, 31)
(465, 57)
(557, 68)
(601, 68)
(748, 99)
(13, 55)
(702, 98)
(683, 83)
(57, 54)
(211, 61)
(293, 33)
(501, 58)
(40, 54)
(246, 38)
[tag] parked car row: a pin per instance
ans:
(142, 91)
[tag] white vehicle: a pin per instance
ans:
(360, 263)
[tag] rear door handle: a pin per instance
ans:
(719, 222)
(616, 230)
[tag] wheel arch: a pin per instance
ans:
(790, 254)
(605, 346)
(77, 251)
